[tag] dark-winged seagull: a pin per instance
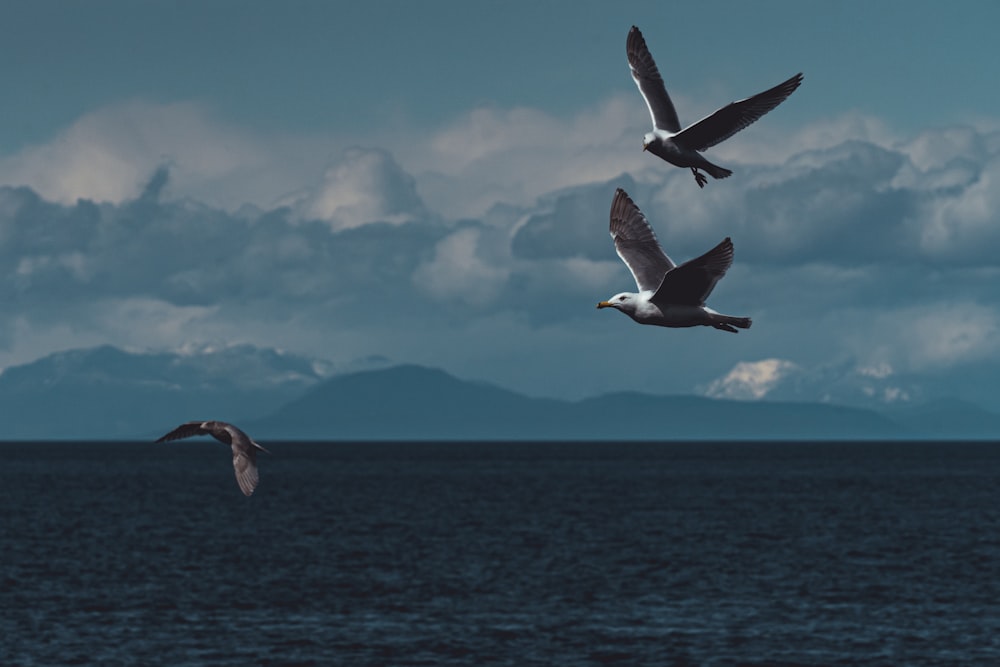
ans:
(244, 448)
(682, 147)
(669, 295)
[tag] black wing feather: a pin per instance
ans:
(647, 77)
(735, 116)
(187, 430)
(692, 282)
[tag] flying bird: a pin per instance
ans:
(669, 295)
(683, 147)
(244, 448)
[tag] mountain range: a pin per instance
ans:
(108, 393)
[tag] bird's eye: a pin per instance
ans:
(621, 298)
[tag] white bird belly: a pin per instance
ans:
(672, 315)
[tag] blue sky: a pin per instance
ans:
(430, 182)
(320, 66)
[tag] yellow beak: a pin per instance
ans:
(604, 304)
(645, 147)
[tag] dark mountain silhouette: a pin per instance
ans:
(416, 403)
(695, 417)
(411, 403)
(105, 392)
(948, 418)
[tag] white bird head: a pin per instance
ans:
(627, 302)
(647, 140)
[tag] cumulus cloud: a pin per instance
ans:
(961, 223)
(837, 204)
(772, 143)
(459, 272)
(363, 186)
(163, 271)
(865, 260)
(571, 223)
(492, 156)
(949, 334)
(108, 154)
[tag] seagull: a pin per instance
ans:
(682, 147)
(244, 448)
(669, 295)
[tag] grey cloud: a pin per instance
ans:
(843, 210)
(839, 198)
(573, 223)
(857, 204)
(188, 254)
(852, 205)
(363, 185)
(831, 262)
(156, 184)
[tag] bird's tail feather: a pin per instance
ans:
(729, 323)
(715, 171)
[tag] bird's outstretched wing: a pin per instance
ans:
(636, 243)
(735, 116)
(692, 282)
(647, 78)
(244, 448)
(245, 466)
(244, 456)
(185, 431)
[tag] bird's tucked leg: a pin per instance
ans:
(699, 177)
(724, 327)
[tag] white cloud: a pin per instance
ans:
(513, 156)
(107, 155)
(964, 222)
(950, 334)
(936, 147)
(459, 273)
(751, 380)
(485, 132)
(138, 322)
(73, 262)
(770, 142)
(578, 273)
(363, 186)
(851, 245)
(923, 336)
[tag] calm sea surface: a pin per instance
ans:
(501, 554)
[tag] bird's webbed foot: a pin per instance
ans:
(699, 177)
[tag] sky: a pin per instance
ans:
(430, 182)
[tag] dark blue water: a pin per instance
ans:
(490, 554)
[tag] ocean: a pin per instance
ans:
(555, 554)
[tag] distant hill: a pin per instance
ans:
(107, 393)
(948, 418)
(411, 402)
(416, 403)
(696, 417)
